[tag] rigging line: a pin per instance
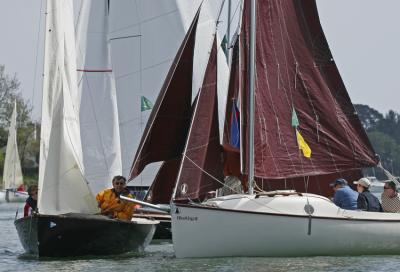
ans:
(146, 68)
(319, 127)
(37, 53)
(125, 37)
(211, 176)
(271, 99)
(144, 21)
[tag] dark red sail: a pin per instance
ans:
(161, 190)
(166, 130)
(202, 169)
(295, 72)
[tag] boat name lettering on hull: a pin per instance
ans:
(187, 218)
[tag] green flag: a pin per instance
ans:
(224, 46)
(145, 104)
(295, 120)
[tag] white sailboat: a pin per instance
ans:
(12, 173)
(67, 223)
(298, 132)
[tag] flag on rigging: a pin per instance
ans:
(235, 126)
(224, 46)
(145, 104)
(303, 146)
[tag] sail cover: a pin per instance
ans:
(62, 187)
(12, 174)
(295, 72)
(98, 103)
(166, 130)
(201, 169)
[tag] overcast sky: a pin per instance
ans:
(364, 36)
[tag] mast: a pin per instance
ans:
(251, 93)
(228, 31)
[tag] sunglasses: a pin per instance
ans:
(119, 183)
(386, 188)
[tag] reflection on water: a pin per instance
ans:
(160, 257)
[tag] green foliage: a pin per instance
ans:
(28, 145)
(384, 134)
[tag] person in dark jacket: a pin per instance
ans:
(31, 201)
(367, 201)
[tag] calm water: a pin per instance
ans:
(161, 258)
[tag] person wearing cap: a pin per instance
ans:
(344, 197)
(367, 201)
(390, 198)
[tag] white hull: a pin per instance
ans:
(2, 196)
(13, 196)
(279, 226)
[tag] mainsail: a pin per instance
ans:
(295, 71)
(98, 109)
(12, 174)
(62, 185)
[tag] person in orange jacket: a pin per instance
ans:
(110, 203)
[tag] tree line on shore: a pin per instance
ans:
(382, 130)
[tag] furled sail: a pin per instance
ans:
(98, 109)
(165, 132)
(12, 173)
(295, 72)
(62, 187)
(201, 168)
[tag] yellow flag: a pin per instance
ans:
(303, 145)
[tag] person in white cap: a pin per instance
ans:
(367, 201)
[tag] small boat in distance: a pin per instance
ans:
(13, 184)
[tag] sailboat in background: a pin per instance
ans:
(298, 132)
(67, 223)
(13, 184)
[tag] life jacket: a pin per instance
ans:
(110, 204)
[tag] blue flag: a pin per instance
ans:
(235, 126)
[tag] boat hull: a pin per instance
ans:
(15, 196)
(199, 231)
(79, 234)
(163, 229)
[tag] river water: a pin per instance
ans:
(160, 257)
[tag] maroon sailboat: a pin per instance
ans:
(296, 132)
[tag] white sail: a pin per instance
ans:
(145, 37)
(62, 187)
(12, 174)
(98, 105)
